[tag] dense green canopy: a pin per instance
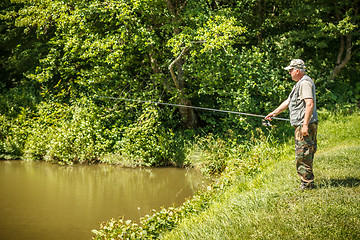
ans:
(57, 56)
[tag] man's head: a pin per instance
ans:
(296, 69)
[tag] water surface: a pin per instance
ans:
(47, 201)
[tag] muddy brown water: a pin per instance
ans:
(46, 201)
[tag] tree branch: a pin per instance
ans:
(183, 52)
(346, 59)
(178, 58)
(341, 49)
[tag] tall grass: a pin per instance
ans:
(270, 206)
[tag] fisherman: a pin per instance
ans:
(303, 116)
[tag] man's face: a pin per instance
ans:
(294, 74)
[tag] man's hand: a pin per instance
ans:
(305, 130)
(270, 116)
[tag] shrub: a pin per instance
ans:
(147, 143)
(65, 134)
(12, 138)
(209, 154)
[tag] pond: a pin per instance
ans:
(46, 201)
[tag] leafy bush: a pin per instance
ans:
(65, 134)
(209, 154)
(84, 132)
(147, 143)
(12, 138)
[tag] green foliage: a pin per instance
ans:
(147, 143)
(65, 134)
(84, 132)
(58, 52)
(123, 48)
(12, 138)
(247, 92)
(210, 155)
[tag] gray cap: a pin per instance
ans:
(296, 63)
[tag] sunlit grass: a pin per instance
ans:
(270, 206)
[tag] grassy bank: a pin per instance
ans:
(270, 206)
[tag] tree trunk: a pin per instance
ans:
(188, 116)
(341, 62)
(345, 45)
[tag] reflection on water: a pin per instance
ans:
(46, 201)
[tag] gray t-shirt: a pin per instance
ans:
(305, 88)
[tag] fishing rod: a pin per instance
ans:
(194, 107)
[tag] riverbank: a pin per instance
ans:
(270, 206)
(257, 196)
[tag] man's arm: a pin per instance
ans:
(283, 106)
(309, 106)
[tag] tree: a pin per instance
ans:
(346, 15)
(182, 51)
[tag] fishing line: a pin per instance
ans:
(194, 107)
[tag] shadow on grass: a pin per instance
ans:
(346, 182)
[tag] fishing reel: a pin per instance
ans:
(266, 123)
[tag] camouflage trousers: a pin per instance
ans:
(305, 148)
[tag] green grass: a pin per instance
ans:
(270, 206)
